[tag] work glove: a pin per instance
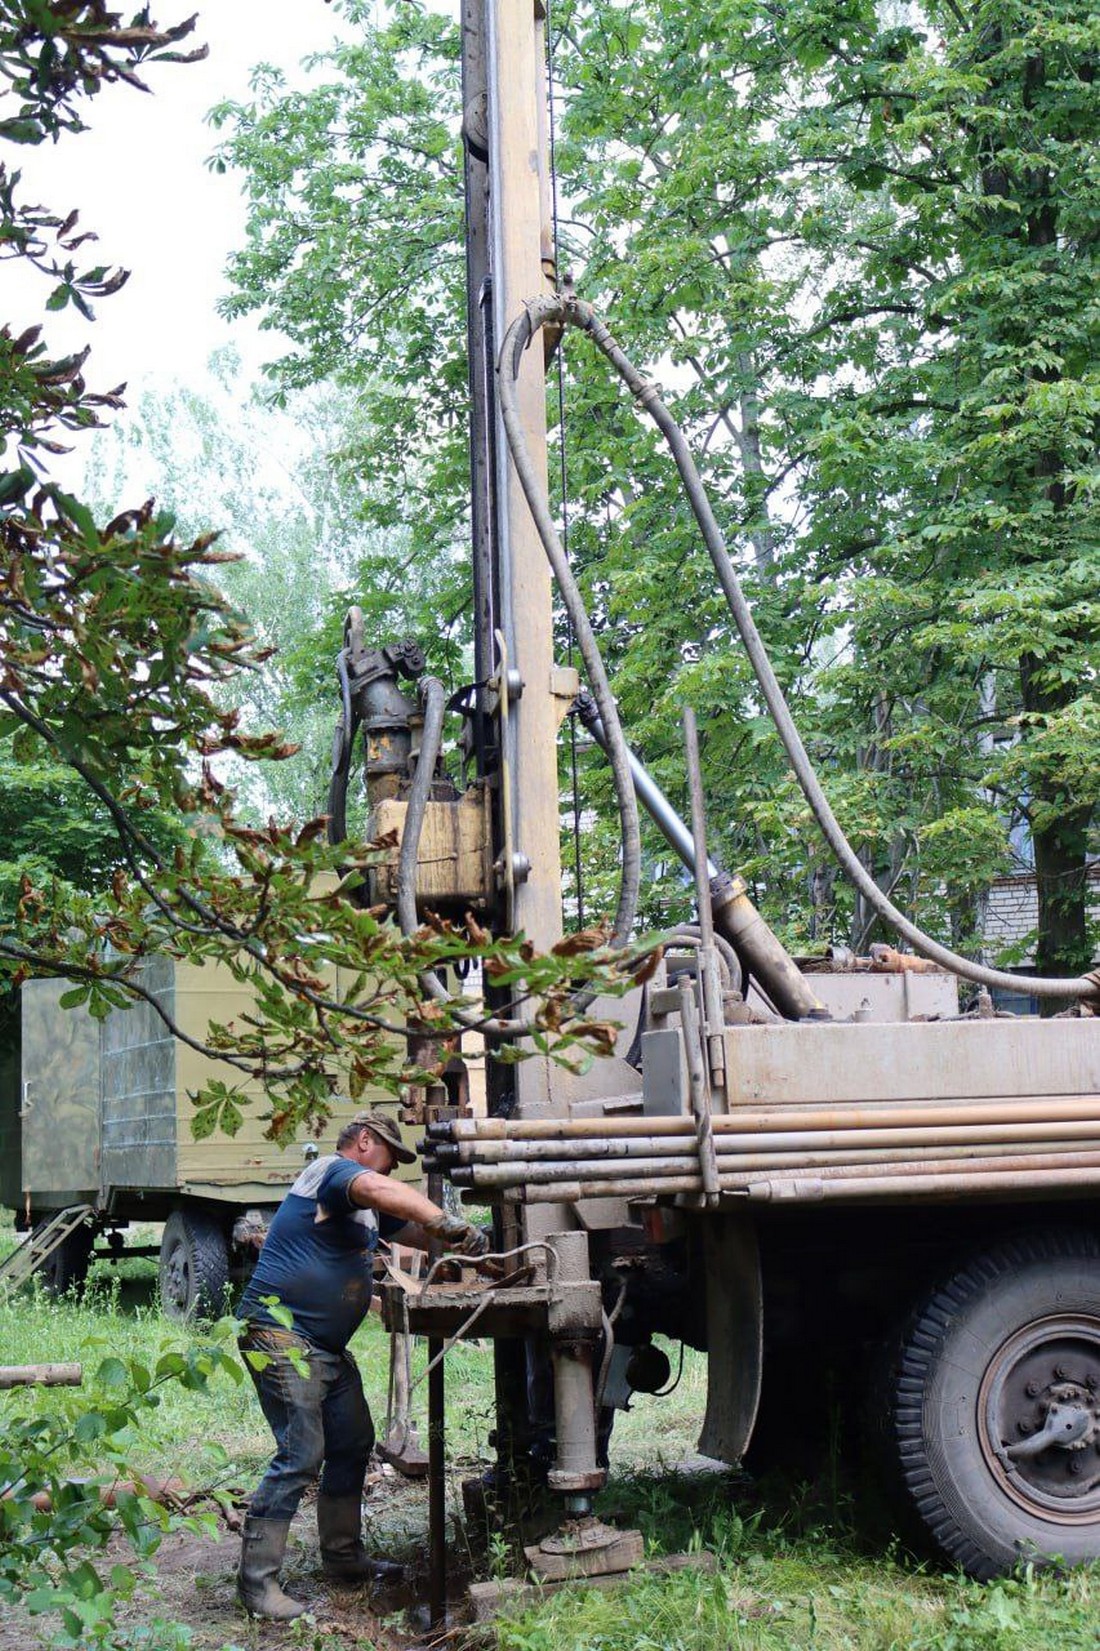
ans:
(459, 1236)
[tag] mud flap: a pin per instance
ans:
(735, 1335)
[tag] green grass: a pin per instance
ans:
(782, 1580)
(119, 1315)
(778, 1604)
(175, 1436)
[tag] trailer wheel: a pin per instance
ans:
(992, 1408)
(194, 1265)
(66, 1270)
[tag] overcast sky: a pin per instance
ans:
(139, 180)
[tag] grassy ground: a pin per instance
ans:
(789, 1569)
(771, 1592)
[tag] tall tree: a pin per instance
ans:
(859, 246)
(274, 481)
(119, 658)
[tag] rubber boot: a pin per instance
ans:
(263, 1544)
(343, 1557)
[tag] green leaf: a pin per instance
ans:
(14, 484)
(89, 1427)
(41, 1599)
(282, 1315)
(123, 1580)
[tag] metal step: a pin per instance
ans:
(31, 1256)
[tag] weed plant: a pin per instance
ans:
(178, 1437)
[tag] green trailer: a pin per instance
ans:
(95, 1136)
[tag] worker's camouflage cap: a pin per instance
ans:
(385, 1127)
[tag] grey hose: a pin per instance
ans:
(519, 335)
(574, 312)
(687, 934)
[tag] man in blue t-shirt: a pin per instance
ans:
(316, 1262)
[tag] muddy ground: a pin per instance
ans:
(194, 1584)
(193, 1577)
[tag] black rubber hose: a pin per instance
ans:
(574, 312)
(433, 700)
(518, 337)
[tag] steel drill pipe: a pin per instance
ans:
(517, 1152)
(1005, 1108)
(979, 1164)
(929, 1189)
(927, 1179)
(498, 1175)
(712, 1030)
(612, 1147)
(572, 1192)
(737, 1168)
(510, 1175)
(987, 1164)
(730, 1148)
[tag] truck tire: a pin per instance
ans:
(66, 1270)
(194, 1265)
(1004, 1353)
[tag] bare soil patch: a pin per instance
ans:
(194, 1583)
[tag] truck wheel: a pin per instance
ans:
(194, 1266)
(66, 1270)
(992, 1410)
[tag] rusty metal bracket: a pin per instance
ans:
(700, 1091)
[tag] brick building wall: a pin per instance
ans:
(1012, 913)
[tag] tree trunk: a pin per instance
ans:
(748, 442)
(1060, 865)
(1061, 880)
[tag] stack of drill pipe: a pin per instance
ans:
(903, 1148)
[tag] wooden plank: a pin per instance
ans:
(455, 853)
(487, 1599)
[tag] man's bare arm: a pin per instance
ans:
(371, 1191)
(412, 1236)
(395, 1197)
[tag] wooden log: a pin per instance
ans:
(488, 1599)
(173, 1493)
(41, 1375)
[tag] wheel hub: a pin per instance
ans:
(1039, 1418)
(177, 1277)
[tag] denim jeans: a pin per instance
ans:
(320, 1421)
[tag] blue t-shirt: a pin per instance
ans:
(317, 1256)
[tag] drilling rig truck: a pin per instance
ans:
(887, 1207)
(884, 1207)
